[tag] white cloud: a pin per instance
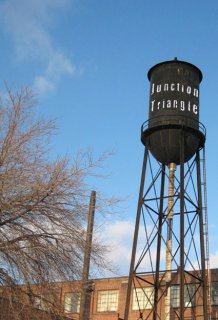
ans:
(120, 234)
(28, 24)
(118, 237)
(214, 260)
(58, 66)
(42, 84)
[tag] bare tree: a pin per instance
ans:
(43, 203)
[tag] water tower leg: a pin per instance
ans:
(201, 230)
(135, 239)
(182, 226)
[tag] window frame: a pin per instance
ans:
(44, 301)
(74, 304)
(175, 299)
(189, 295)
(106, 302)
(214, 283)
(143, 298)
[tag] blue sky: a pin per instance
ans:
(87, 61)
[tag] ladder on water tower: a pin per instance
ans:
(205, 221)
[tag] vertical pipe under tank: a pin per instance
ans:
(172, 169)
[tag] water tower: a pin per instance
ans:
(168, 276)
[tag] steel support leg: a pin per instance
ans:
(182, 225)
(135, 239)
(201, 230)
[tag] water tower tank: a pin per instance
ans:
(173, 108)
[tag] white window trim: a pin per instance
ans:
(108, 303)
(145, 297)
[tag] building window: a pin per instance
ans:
(44, 302)
(189, 292)
(214, 293)
(143, 298)
(107, 301)
(174, 296)
(72, 302)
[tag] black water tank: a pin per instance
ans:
(174, 107)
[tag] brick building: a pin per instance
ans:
(106, 299)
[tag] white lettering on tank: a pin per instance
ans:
(166, 87)
(178, 84)
(195, 109)
(159, 88)
(168, 103)
(152, 105)
(174, 103)
(195, 93)
(189, 90)
(189, 106)
(182, 105)
(172, 87)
